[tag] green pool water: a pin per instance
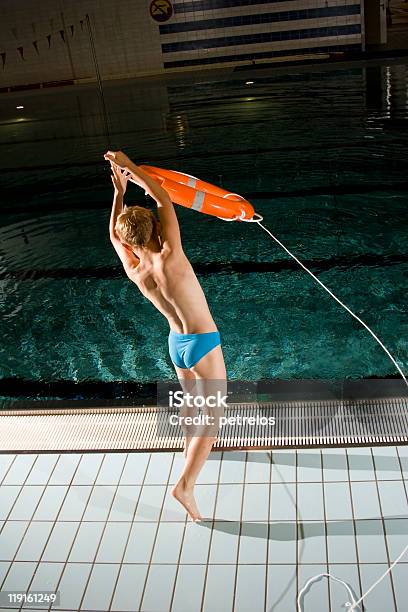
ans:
(321, 155)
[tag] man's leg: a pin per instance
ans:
(210, 376)
(187, 381)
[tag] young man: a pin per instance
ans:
(153, 258)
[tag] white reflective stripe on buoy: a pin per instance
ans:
(192, 182)
(198, 200)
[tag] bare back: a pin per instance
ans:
(168, 280)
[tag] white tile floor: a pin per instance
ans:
(104, 531)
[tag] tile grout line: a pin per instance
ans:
(65, 563)
(222, 562)
(149, 563)
(214, 483)
(384, 530)
(131, 523)
(9, 468)
(366, 520)
(212, 533)
(297, 526)
(181, 544)
(12, 505)
(325, 530)
(268, 531)
(54, 521)
(23, 520)
(104, 526)
(133, 520)
(354, 523)
(240, 529)
(405, 489)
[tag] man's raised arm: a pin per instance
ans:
(168, 219)
(126, 255)
(117, 208)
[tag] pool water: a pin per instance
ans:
(323, 157)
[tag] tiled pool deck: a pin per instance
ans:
(104, 531)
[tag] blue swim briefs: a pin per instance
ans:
(187, 349)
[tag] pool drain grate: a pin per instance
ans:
(298, 424)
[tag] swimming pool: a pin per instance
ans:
(322, 155)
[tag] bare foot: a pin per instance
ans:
(185, 496)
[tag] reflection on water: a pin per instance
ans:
(323, 157)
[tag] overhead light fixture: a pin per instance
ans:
(19, 107)
(249, 83)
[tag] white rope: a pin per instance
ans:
(241, 217)
(337, 300)
(353, 604)
(350, 606)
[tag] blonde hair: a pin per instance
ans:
(135, 225)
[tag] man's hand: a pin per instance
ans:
(119, 179)
(169, 225)
(118, 157)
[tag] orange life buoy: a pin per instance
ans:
(191, 192)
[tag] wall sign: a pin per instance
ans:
(161, 10)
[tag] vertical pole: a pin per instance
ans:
(99, 80)
(375, 19)
(67, 42)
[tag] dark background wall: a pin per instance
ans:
(50, 41)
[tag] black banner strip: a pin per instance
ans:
(237, 267)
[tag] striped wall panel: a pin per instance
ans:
(203, 32)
